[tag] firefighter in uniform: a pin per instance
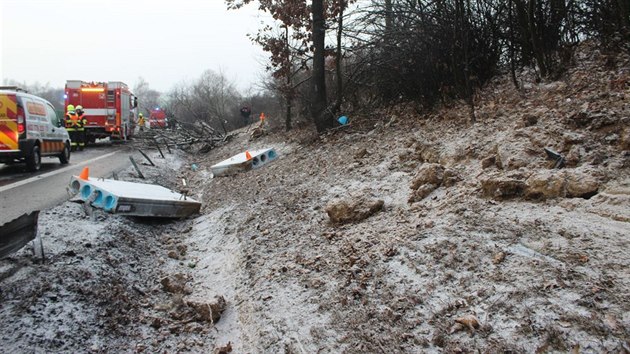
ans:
(141, 121)
(71, 120)
(82, 121)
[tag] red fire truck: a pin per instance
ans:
(110, 108)
(157, 118)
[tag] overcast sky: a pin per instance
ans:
(165, 42)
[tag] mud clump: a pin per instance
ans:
(430, 177)
(431, 173)
(502, 187)
(353, 210)
(546, 184)
(209, 311)
(176, 284)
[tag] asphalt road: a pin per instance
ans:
(22, 192)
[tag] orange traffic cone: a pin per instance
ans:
(248, 156)
(84, 174)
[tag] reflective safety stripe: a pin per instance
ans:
(52, 146)
(97, 111)
(8, 123)
(8, 139)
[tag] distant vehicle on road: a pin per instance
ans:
(157, 119)
(110, 108)
(30, 129)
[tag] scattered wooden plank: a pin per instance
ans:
(133, 162)
(160, 150)
(146, 157)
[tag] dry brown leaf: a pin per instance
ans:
(498, 258)
(469, 321)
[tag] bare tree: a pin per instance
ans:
(216, 96)
(212, 99)
(148, 99)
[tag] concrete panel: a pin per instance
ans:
(241, 163)
(136, 199)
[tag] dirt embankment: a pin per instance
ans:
(405, 234)
(449, 235)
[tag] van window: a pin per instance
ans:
(52, 115)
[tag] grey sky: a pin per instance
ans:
(165, 42)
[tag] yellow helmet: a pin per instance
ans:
(79, 108)
(140, 115)
(70, 108)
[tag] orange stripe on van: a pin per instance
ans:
(7, 142)
(8, 123)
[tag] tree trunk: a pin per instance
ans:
(624, 15)
(535, 38)
(338, 62)
(223, 126)
(511, 47)
(388, 20)
(465, 30)
(469, 88)
(525, 37)
(287, 121)
(289, 93)
(322, 119)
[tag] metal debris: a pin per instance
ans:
(559, 159)
(18, 232)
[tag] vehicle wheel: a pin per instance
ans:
(64, 157)
(34, 162)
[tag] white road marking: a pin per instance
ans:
(40, 177)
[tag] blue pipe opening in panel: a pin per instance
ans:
(86, 190)
(98, 199)
(110, 203)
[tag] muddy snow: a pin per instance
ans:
(399, 233)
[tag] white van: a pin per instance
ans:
(30, 129)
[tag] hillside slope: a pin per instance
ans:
(476, 226)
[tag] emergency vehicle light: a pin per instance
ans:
(20, 120)
(92, 89)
